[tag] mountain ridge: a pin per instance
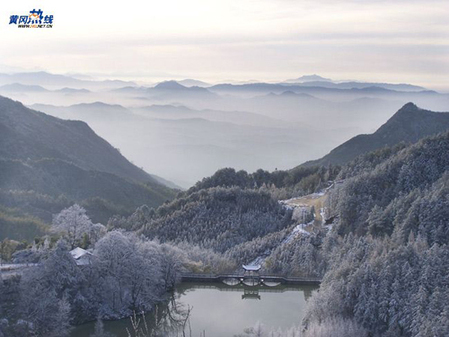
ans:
(42, 132)
(408, 124)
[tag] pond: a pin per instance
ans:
(218, 310)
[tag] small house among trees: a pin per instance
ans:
(81, 256)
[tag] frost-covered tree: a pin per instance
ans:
(44, 313)
(74, 224)
(172, 262)
(134, 272)
(46, 292)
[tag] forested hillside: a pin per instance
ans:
(44, 187)
(371, 200)
(31, 135)
(388, 261)
(233, 213)
(217, 218)
(282, 184)
(47, 164)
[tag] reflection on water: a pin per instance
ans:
(216, 310)
(251, 294)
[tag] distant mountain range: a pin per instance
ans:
(334, 96)
(361, 85)
(85, 111)
(316, 87)
(26, 88)
(173, 91)
(18, 87)
(170, 90)
(408, 124)
(56, 81)
(318, 81)
(187, 129)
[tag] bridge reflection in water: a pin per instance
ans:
(249, 294)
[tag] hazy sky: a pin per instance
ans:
(396, 41)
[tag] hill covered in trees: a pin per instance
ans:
(387, 254)
(370, 197)
(47, 164)
(408, 124)
(216, 218)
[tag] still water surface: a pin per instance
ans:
(218, 310)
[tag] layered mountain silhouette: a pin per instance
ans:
(408, 124)
(174, 90)
(17, 87)
(170, 90)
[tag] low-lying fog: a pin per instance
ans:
(184, 133)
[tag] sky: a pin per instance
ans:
(218, 40)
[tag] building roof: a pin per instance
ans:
(255, 267)
(78, 253)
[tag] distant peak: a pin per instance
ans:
(314, 77)
(409, 112)
(192, 82)
(169, 85)
(409, 106)
(308, 78)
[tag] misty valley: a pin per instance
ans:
(184, 133)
